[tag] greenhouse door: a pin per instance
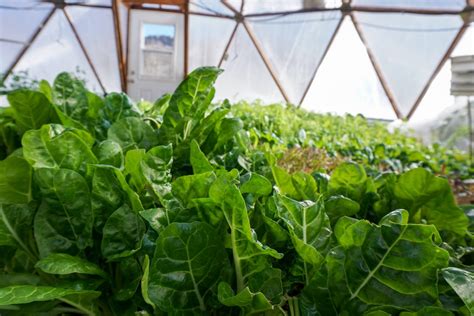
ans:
(156, 52)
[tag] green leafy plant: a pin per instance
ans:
(182, 207)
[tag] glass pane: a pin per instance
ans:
(259, 6)
(20, 19)
(346, 82)
(408, 48)
(295, 45)
(414, 4)
(157, 45)
(96, 30)
(8, 53)
(209, 6)
(207, 40)
(55, 50)
(245, 76)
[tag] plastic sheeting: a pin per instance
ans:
(296, 45)
(8, 53)
(414, 4)
(59, 52)
(207, 40)
(258, 6)
(254, 81)
(408, 47)
(30, 14)
(209, 7)
(346, 81)
(101, 47)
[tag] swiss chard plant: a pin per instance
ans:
(181, 208)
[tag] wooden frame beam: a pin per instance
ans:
(377, 68)
(30, 42)
(186, 38)
(83, 48)
(118, 44)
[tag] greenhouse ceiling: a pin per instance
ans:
(385, 53)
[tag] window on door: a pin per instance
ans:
(158, 51)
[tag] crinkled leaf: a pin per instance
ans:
(61, 263)
(21, 294)
(430, 197)
(462, 283)
(392, 264)
(250, 256)
(122, 234)
(52, 146)
(15, 181)
(348, 179)
(186, 266)
(132, 132)
(64, 220)
(198, 160)
(32, 109)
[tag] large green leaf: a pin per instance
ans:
(462, 283)
(427, 196)
(122, 234)
(348, 179)
(22, 294)
(15, 181)
(107, 194)
(249, 302)
(198, 159)
(250, 257)
(132, 133)
(53, 146)
(64, 220)
(187, 264)
(61, 263)
(16, 222)
(188, 105)
(394, 264)
(32, 109)
(310, 231)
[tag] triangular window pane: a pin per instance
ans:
(414, 4)
(20, 20)
(56, 50)
(438, 97)
(295, 45)
(209, 7)
(346, 81)
(96, 30)
(245, 75)
(416, 46)
(207, 40)
(259, 6)
(8, 53)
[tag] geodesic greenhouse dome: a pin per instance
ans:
(383, 59)
(237, 157)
